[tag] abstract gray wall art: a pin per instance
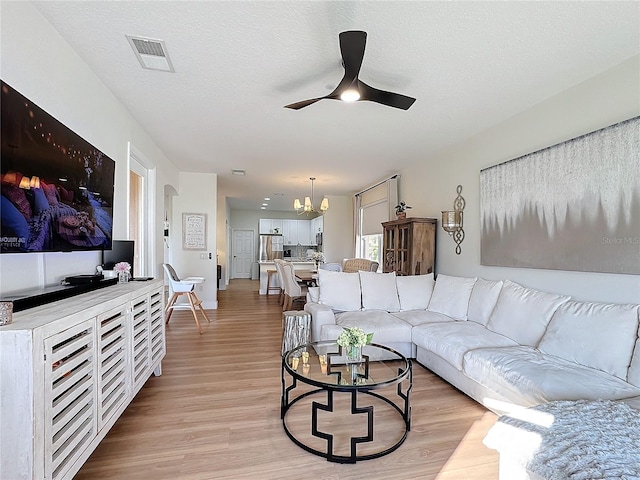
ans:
(572, 206)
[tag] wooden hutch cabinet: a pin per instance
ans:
(409, 246)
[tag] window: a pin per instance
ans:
(371, 247)
(373, 207)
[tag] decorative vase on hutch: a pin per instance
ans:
(123, 277)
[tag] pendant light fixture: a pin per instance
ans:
(308, 207)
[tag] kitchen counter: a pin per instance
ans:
(270, 265)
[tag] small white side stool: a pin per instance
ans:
(296, 329)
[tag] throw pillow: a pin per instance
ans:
(40, 202)
(339, 290)
(523, 314)
(451, 296)
(414, 291)
(596, 335)
(50, 192)
(18, 198)
(13, 223)
(483, 300)
(379, 291)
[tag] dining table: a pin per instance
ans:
(307, 277)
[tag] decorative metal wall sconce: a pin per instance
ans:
(452, 220)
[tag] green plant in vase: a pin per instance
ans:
(401, 210)
(352, 339)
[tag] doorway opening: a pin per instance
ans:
(141, 213)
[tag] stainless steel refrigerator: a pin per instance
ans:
(271, 247)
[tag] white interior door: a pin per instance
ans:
(243, 254)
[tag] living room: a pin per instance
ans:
(428, 185)
(38, 61)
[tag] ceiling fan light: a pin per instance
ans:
(350, 95)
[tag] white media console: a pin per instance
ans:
(69, 369)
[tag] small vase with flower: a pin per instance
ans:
(124, 271)
(352, 339)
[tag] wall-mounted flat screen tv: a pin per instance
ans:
(56, 190)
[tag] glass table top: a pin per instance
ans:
(323, 364)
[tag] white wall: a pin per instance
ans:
(222, 222)
(338, 237)
(196, 194)
(430, 185)
(37, 62)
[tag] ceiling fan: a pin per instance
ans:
(350, 88)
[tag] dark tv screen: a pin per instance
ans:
(56, 190)
(121, 251)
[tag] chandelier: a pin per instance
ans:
(308, 203)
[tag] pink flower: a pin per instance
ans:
(122, 267)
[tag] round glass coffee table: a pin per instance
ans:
(344, 399)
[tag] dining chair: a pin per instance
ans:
(293, 291)
(334, 267)
(183, 287)
(278, 264)
(352, 265)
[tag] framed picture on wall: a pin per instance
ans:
(194, 231)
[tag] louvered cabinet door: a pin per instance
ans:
(69, 397)
(140, 349)
(156, 318)
(112, 364)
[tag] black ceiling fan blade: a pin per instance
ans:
(302, 104)
(352, 45)
(390, 99)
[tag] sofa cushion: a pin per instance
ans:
(339, 290)
(452, 340)
(385, 327)
(418, 317)
(379, 291)
(523, 313)
(634, 369)
(484, 297)
(451, 296)
(597, 335)
(414, 291)
(530, 377)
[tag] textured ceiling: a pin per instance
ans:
(470, 65)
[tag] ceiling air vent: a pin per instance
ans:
(151, 53)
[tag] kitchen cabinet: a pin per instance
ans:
(268, 225)
(409, 246)
(293, 232)
(304, 232)
(290, 232)
(317, 226)
(68, 371)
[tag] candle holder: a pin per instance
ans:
(294, 362)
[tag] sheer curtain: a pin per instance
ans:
(373, 206)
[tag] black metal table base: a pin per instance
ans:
(369, 411)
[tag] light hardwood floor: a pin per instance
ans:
(215, 412)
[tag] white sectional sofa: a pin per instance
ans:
(502, 344)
